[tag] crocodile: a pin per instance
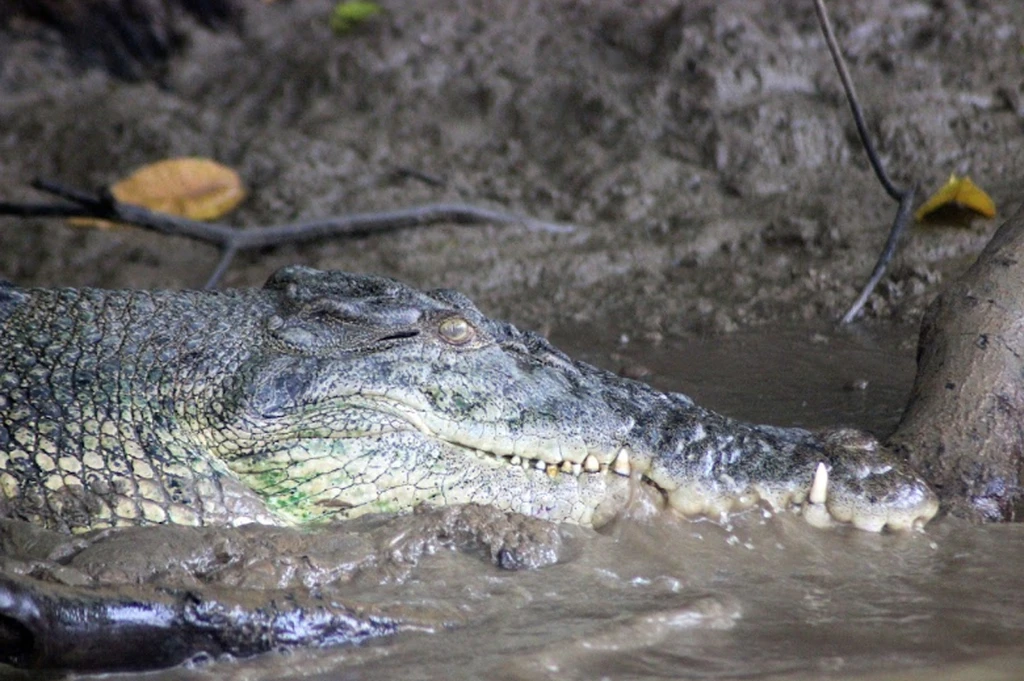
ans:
(327, 394)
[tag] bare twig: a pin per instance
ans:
(425, 178)
(231, 240)
(899, 226)
(905, 197)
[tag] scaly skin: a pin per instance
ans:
(329, 394)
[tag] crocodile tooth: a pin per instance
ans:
(590, 464)
(552, 471)
(567, 466)
(603, 455)
(539, 465)
(572, 450)
(515, 460)
(542, 449)
(621, 463)
(577, 468)
(819, 487)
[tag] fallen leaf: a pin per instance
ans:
(347, 15)
(193, 188)
(959, 193)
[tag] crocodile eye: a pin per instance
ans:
(455, 330)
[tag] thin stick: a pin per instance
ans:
(851, 98)
(899, 226)
(227, 254)
(231, 240)
(367, 223)
(905, 197)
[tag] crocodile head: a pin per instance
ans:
(368, 395)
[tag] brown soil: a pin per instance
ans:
(703, 149)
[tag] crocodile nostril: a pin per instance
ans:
(399, 335)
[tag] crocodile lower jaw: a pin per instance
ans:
(696, 500)
(813, 502)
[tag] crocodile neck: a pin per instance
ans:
(121, 384)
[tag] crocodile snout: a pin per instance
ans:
(864, 484)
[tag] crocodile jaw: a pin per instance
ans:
(869, 497)
(437, 461)
(914, 510)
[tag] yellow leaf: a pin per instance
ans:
(193, 188)
(957, 193)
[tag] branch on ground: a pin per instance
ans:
(231, 240)
(904, 197)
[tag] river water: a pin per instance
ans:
(762, 596)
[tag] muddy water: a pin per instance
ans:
(785, 375)
(764, 596)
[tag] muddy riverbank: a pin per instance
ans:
(706, 157)
(704, 150)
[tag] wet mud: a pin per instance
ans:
(724, 217)
(703, 149)
(139, 598)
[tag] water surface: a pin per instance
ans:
(763, 596)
